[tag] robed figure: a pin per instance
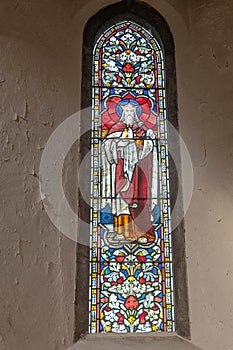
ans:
(130, 176)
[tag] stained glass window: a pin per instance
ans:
(131, 278)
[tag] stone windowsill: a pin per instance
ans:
(133, 341)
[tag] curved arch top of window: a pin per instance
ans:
(128, 55)
(131, 278)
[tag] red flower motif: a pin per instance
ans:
(141, 258)
(120, 258)
(118, 78)
(120, 280)
(131, 303)
(128, 68)
(121, 318)
(142, 280)
(142, 317)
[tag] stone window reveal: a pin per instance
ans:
(116, 86)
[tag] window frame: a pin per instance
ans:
(138, 12)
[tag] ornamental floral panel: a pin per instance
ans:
(131, 278)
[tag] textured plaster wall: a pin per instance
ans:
(40, 70)
(38, 90)
(205, 81)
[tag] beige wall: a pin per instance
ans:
(204, 65)
(38, 91)
(40, 70)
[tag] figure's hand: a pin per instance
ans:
(124, 138)
(130, 133)
(150, 134)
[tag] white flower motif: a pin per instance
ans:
(145, 327)
(119, 328)
(153, 315)
(114, 302)
(149, 301)
(110, 316)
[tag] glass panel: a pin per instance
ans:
(131, 279)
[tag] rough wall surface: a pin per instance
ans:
(205, 75)
(37, 263)
(40, 70)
